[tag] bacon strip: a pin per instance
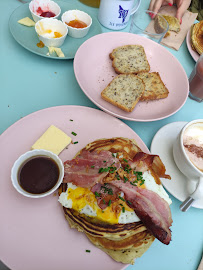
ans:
(153, 211)
(83, 171)
(142, 162)
(106, 192)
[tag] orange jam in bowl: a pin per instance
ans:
(77, 24)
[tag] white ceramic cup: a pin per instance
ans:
(115, 14)
(194, 176)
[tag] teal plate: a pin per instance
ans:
(27, 37)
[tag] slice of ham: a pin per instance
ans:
(142, 162)
(83, 171)
(153, 211)
(106, 192)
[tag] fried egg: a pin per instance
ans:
(85, 202)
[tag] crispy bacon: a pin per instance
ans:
(83, 171)
(142, 162)
(153, 211)
(106, 192)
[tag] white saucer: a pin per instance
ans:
(162, 145)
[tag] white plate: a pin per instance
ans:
(193, 53)
(162, 145)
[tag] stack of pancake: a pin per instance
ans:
(123, 242)
(197, 37)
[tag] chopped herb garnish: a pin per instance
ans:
(103, 201)
(71, 120)
(114, 154)
(112, 169)
(118, 177)
(109, 169)
(123, 209)
(125, 179)
(121, 198)
(127, 169)
(133, 184)
(92, 166)
(125, 160)
(97, 194)
(109, 203)
(75, 134)
(129, 202)
(104, 161)
(87, 250)
(109, 190)
(75, 142)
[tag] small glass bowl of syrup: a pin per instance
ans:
(37, 173)
(78, 23)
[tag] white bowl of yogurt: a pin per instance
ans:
(51, 32)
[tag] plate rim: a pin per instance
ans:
(120, 115)
(94, 19)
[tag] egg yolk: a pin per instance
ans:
(82, 196)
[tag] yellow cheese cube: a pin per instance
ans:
(57, 50)
(54, 140)
(27, 21)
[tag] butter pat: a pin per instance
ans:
(57, 50)
(27, 21)
(54, 140)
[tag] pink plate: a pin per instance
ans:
(34, 233)
(193, 53)
(93, 71)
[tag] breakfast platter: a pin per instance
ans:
(93, 71)
(38, 224)
(27, 37)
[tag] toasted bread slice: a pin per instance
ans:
(154, 86)
(129, 59)
(124, 91)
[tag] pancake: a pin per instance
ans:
(123, 242)
(197, 37)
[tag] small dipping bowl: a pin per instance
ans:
(78, 15)
(23, 159)
(37, 7)
(49, 31)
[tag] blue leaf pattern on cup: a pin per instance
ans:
(122, 13)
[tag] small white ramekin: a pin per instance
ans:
(71, 15)
(27, 156)
(45, 5)
(55, 26)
